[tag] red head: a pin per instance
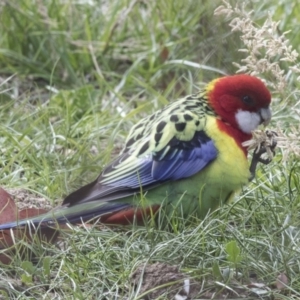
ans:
(241, 100)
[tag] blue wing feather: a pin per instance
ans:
(183, 159)
(185, 163)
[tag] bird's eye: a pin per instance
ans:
(248, 100)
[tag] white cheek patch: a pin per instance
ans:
(247, 121)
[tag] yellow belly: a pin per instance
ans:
(226, 174)
(231, 167)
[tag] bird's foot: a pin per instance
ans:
(266, 146)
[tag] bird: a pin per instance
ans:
(187, 157)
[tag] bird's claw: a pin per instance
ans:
(257, 157)
(265, 147)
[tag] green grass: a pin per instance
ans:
(75, 77)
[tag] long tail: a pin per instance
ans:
(107, 212)
(74, 214)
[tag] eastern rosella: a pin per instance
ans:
(188, 156)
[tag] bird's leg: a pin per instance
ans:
(260, 150)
